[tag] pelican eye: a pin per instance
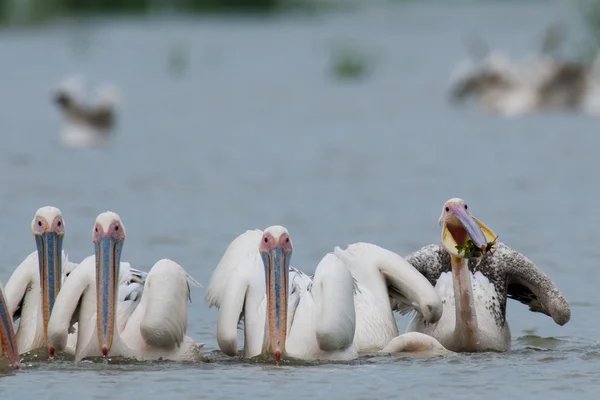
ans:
(39, 223)
(447, 209)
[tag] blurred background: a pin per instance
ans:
(334, 118)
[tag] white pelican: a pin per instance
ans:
(8, 339)
(156, 328)
(31, 298)
(285, 314)
(386, 283)
(35, 283)
(86, 125)
(474, 293)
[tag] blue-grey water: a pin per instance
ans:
(257, 131)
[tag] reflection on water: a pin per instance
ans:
(255, 133)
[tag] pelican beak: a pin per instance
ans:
(7, 334)
(108, 259)
(49, 249)
(276, 262)
(462, 226)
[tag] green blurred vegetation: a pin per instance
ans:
(350, 63)
(179, 5)
(16, 12)
(590, 12)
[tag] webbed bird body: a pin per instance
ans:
(285, 312)
(147, 321)
(474, 289)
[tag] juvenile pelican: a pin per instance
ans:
(156, 328)
(474, 292)
(35, 283)
(8, 339)
(285, 313)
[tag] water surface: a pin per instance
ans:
(258, 132)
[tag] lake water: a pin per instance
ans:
(257, 131)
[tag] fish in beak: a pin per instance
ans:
(276, 253)
(8, 338)
(108, 243)
(459, 226)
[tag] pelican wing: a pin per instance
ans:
(164, 322)
(18, 284)
(407, 288)
(237, 289)
(65, 314)
(243, 247)
(430, 262)
(333, 294)
(530, 285)
(67, 266)
(131, 275)
(131, 288)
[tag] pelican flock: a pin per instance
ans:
(457, 292)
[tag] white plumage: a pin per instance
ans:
(320, 312)
(150, 316)
(387, 283)
(158, 327)
(24, 297)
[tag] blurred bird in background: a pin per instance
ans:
(86, 125)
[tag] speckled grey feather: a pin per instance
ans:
(513, 275)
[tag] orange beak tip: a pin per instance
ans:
(277, 355)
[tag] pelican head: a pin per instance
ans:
(8, 339)
(459, 225)
(276, 252)
(108, 236)
(48, 230)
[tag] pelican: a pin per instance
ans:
(386, 283)
(31, 298)
(474, 292)
(156, 328)
(285, 313)
(8, 339)
(541, 81)
(86, 125)
(35, 283)
(499, 83)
